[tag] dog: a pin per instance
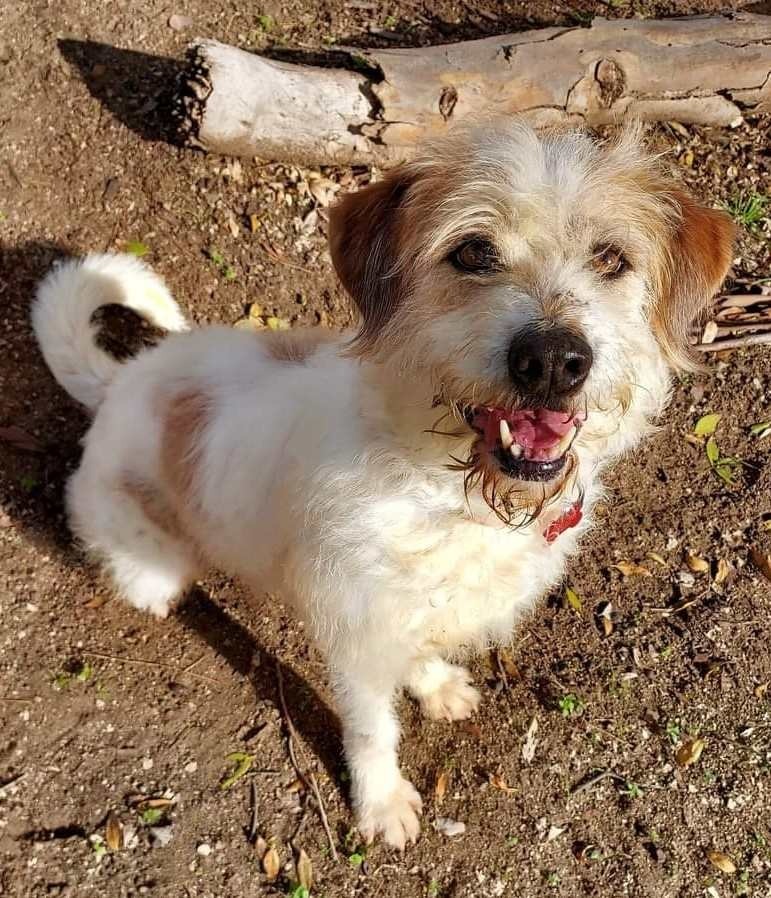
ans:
(414, 487)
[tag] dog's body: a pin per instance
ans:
(320, 471)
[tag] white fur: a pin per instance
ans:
(320, 481)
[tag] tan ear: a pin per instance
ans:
(697, 261)
(365, 231)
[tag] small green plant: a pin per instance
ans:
(242, 764)
(28, 482)
(673, 731)
(225, 269)
(631, 790)
(569, 705)
(389, 22)
(299, 891)
(511, 841)
(432, 889)
(748, 208)
(356, 859)
(743, 883)
(553, 880)
(151, 816)
(723, 465)
(137, 248)
(99, 847)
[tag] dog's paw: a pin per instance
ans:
(453, 699)
(395, 817)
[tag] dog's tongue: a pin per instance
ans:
(538, 428)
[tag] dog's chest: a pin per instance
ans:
(468, 583)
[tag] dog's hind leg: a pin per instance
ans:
(128, 527)
(443, 690)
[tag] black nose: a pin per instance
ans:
(549, 366)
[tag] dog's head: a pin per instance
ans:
(545, 286)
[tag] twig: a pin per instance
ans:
(148, 663)
(11, 698)
(741, 300)
(309, 779)
(737, 343)
(592, 781)
(253, 827)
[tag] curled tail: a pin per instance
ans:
(66, 301)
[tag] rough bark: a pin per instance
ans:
(709, 70)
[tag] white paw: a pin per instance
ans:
(394, 817)
(453, 699)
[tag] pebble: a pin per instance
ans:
(161, 835)
(204, 849)
(448, 827)
(147, 763)
(191, 767)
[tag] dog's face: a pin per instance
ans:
(544, 285)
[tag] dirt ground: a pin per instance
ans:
(115, 729)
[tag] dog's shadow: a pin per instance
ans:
(40, 432)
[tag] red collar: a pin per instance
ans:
(565, 521)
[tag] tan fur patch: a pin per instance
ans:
(154, 507)
(294, 346)
(185, 417)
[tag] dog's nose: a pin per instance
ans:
(549, 366)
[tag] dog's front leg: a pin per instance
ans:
(384, 801)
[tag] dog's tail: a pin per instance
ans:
(66, 301)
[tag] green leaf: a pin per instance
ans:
(299, 892)
(706, 425)
(216, 256)
(136, 248)
(243, 764)
(151, 816)
(761, 429)
(574, 600)
(265, 23)
(725, 473)
(84, 672)
(713, 453)
(356, 859)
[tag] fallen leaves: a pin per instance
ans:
(721, 861)
(574, 600)
(707, 425)
(761, 430)
(440, 787)
(243, 764)
(630, 569)
(304, 870)
(696, 563)
(690, 752)
(530, 743)
(113, 833)
(271, 864)
(762, 562)
(499, 783)
(605, 616)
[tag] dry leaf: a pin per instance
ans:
(724, 571)
(440, 788)
(113, 833)
(710, 332)
(629, 569)
(761, 690)
(574, 600)
(659, 559)
(762, 562)
(20, 439)
(260, 847)
(277, 324)
(96, 602)
(606, 617)
(297, 785)
(255, 311)
(721, 861)
(498, 782)
(509, 665)
(689, 752)
(271, 864)
(254, 222)
(696, 564)
(304, 870)
(233, 225)
(528, 747)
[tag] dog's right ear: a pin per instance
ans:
(366, 240)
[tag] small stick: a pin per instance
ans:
(308, 779)
(741, 299)
(147, 663)
(741, 328)
(737, 343)
(253, 827)
(592, 781)
(11, 698)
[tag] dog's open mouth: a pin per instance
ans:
(528, 444)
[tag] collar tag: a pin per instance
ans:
(570, 518)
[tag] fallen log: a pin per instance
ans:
(708, 70)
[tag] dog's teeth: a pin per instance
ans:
(506, 437)
(516, 450)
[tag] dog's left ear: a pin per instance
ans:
(697, 261)
(366, 230)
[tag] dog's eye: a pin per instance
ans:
(609, 261)
(476, 255)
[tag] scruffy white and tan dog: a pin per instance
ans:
(412, 489)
